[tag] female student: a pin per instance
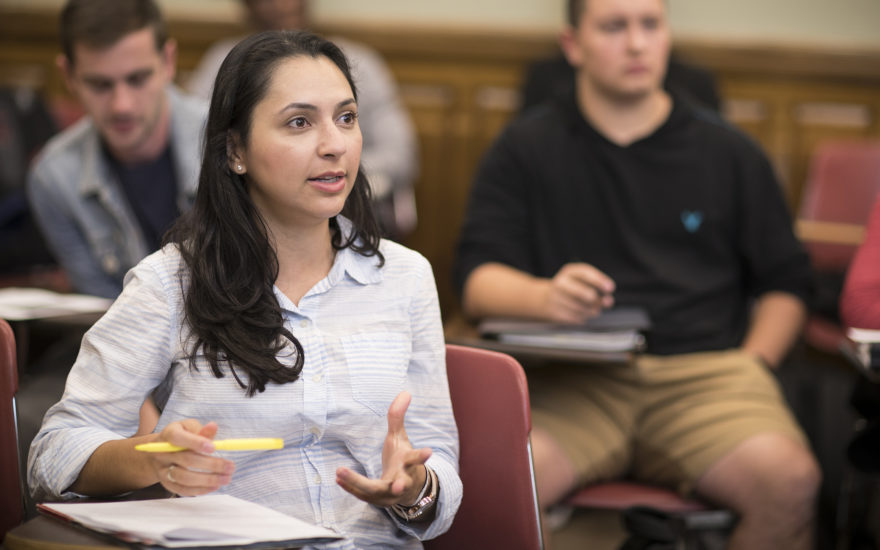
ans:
(274, 311)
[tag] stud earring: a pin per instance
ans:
(238, 168)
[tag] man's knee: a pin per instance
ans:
(554, 473)
(766, 472)
(793, 480)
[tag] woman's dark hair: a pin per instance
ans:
(230, 304)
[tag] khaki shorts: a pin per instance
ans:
(662, 419)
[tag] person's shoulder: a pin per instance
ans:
(189, 104)
(713, 128)
(189, 114)
(549, 111)
(164, 264)
(538, 125)
(161, 274)
(354, 50)
(367, 65)
(220, 49)
(69, 144)
(400, 256)
(168, 256)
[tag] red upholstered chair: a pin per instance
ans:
(11, 501)
(842, 183)
(490, 400)
(654, 515)
(620, 495)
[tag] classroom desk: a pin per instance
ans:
(47, 330)
(44, 533)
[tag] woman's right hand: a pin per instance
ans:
(192, 472)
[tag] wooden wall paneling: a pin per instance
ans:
(458, 109)
(830, 112)
(758, 111)
(29, 45)
(788, 117)
(433, 106)
(461, 87)
(194, 37)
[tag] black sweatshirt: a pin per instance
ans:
(689, 221)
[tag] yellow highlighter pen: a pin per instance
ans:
(245, 444)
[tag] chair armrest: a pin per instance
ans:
(830, 232)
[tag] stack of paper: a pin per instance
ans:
(204, 521)
(19, 304)
(865, 350)
(615, 330)
(605, 341)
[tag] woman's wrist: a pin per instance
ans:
(425, 487)
(425, 506)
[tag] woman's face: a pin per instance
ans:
(302, 155)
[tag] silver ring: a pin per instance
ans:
(169, 476)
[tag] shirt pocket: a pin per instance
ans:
(377, 364)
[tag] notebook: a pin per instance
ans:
(620, 329)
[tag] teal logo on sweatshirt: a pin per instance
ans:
(692, 220)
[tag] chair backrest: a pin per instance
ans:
(11, 503)
(490, 400)
(842, 183)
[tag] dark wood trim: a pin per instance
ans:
(21, 27)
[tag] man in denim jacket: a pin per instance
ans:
(105, 190)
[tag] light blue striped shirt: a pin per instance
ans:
(368, 333)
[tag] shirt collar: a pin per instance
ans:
(567, 105)
(362, 269)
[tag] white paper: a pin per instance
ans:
(209, 520)
(863, 335)
(18, 304)
(598, 341)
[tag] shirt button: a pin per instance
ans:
(317, 378)
(315, 432)
(304, 323)
(317, 479)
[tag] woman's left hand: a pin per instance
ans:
(403, 468)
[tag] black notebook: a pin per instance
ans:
(620, 329)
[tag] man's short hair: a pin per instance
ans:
(574, 11)
(102, 23)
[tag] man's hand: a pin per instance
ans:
(577, 293)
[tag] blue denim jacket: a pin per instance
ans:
(82, 210)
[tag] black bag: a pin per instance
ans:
(652, 529)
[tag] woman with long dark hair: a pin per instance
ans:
(274, 310)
